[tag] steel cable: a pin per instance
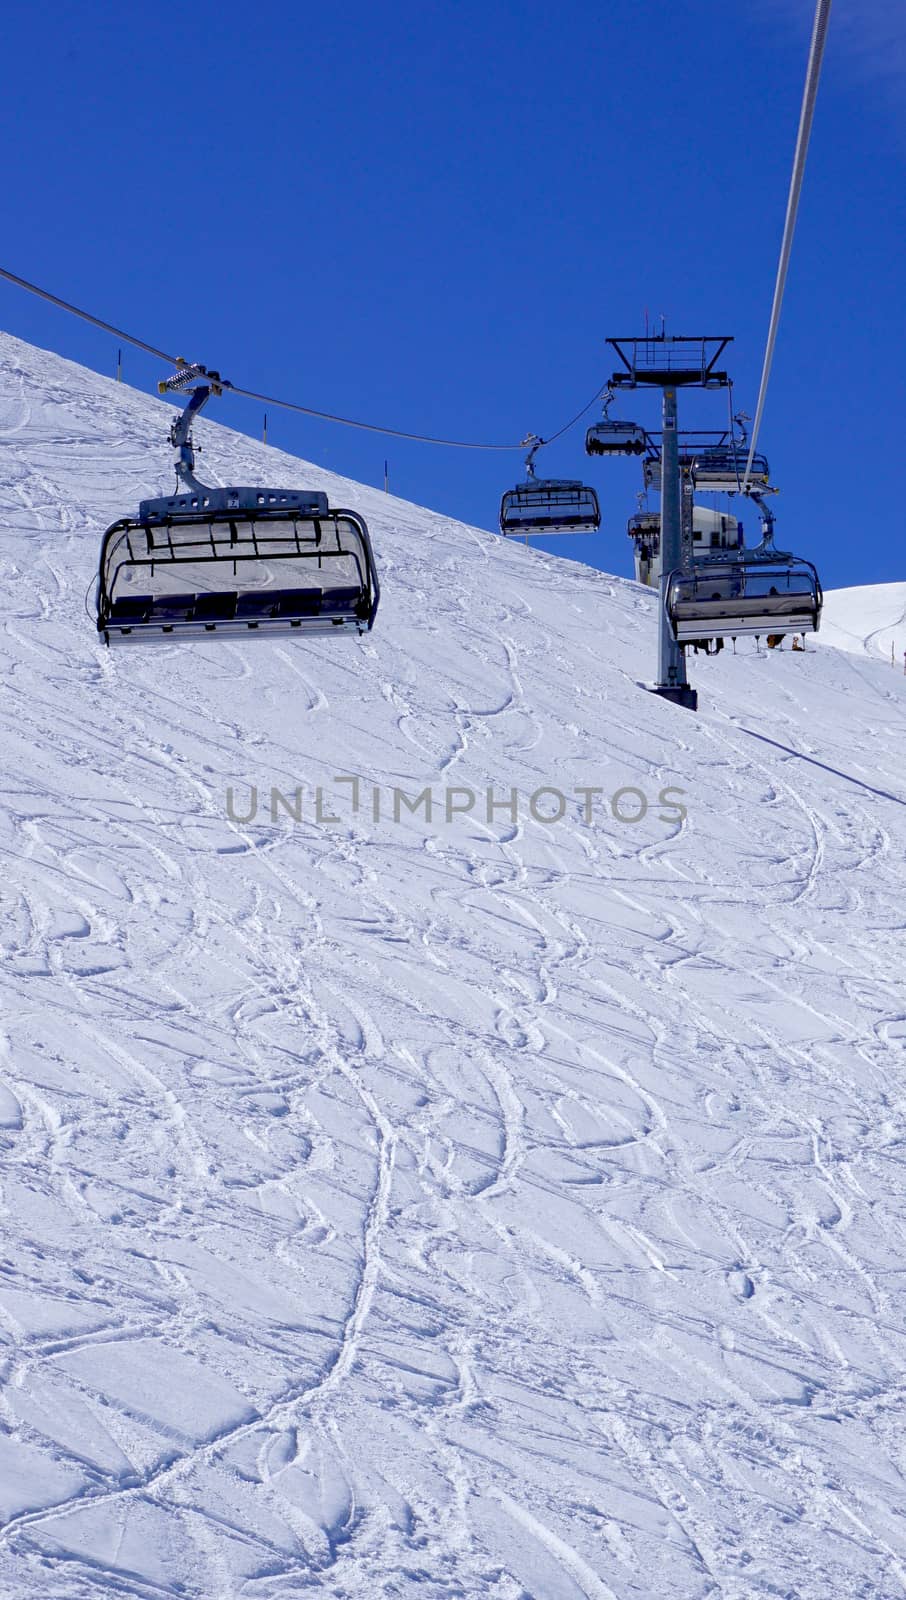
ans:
(813, 73)
(271, 400)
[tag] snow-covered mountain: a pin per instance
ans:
(870, 620)
(436, 1206)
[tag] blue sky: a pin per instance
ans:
(433, 216)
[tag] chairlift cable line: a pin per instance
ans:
(369, 427)
(806, 116)
(271, 400)
(107, 327)
(577, 418)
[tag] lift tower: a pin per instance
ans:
(670, 362)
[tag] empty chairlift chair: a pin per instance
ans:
(722, 469)
(543, 506)
(610, 437)
(233, 561)
(718, 468)
(615, 439)
(726, 599)
(761, 591)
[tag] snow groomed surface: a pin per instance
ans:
(395, 1205)
(870, 620)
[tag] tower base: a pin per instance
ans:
(679, 694)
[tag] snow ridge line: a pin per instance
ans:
(593, 1586)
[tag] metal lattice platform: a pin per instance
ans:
(673, 360)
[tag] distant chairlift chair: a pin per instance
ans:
(722, 469)
(542, 506)
(715, 469)
(610, 437)
(615, 439)
(228, 562)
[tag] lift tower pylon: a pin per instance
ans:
(669, 362)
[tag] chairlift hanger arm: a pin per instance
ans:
(767, 548)
(181, 439)
(181, 431)
(535, 443)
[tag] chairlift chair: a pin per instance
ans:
(763, 590)
(744, 596)
(227, 562)
(644, 530)
(722, 469)
(719, 469)
(543, 506)
(645, 525)
(615, 439)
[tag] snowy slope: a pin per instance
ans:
(867, 620)
(421, 1208)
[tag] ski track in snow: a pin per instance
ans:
(464, 1210)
